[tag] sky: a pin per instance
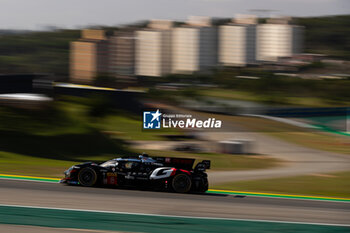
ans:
(40, 14)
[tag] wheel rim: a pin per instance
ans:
(181, 183)
(87, 177)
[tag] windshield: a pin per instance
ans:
(109, 163)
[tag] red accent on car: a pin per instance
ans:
(185, 171)
(173, 172)
(112, 180)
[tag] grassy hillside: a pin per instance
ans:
(329, 35)
(329, 185)
(45, 52)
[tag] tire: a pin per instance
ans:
(204, 187)
(87, 177)
(181, 183)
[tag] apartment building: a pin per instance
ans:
(122, 53)
(237, 42)
(194, 46)
(88, 56)
(153, 49)
(278, 38)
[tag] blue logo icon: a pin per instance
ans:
(151, 120)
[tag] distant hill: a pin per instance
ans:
(329, 35)
(48, 51)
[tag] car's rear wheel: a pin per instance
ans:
(181, 183)
(87, 177)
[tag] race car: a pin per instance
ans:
(155, 173)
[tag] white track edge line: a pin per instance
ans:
(176, 216)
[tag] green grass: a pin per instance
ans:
(228, 94)
(331, 185)
(127, 128)
(60, 132)
(17, 164)
(121, 125)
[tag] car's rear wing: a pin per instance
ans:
(202, 166)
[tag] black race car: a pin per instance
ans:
(156, 173)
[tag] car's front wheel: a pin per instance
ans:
(87, 177)
(181, 183)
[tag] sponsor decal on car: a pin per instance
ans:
(111, 174)
(112, 178)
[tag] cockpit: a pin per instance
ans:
(110, 163)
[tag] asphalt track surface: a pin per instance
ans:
(207, 205)
(296, 160)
